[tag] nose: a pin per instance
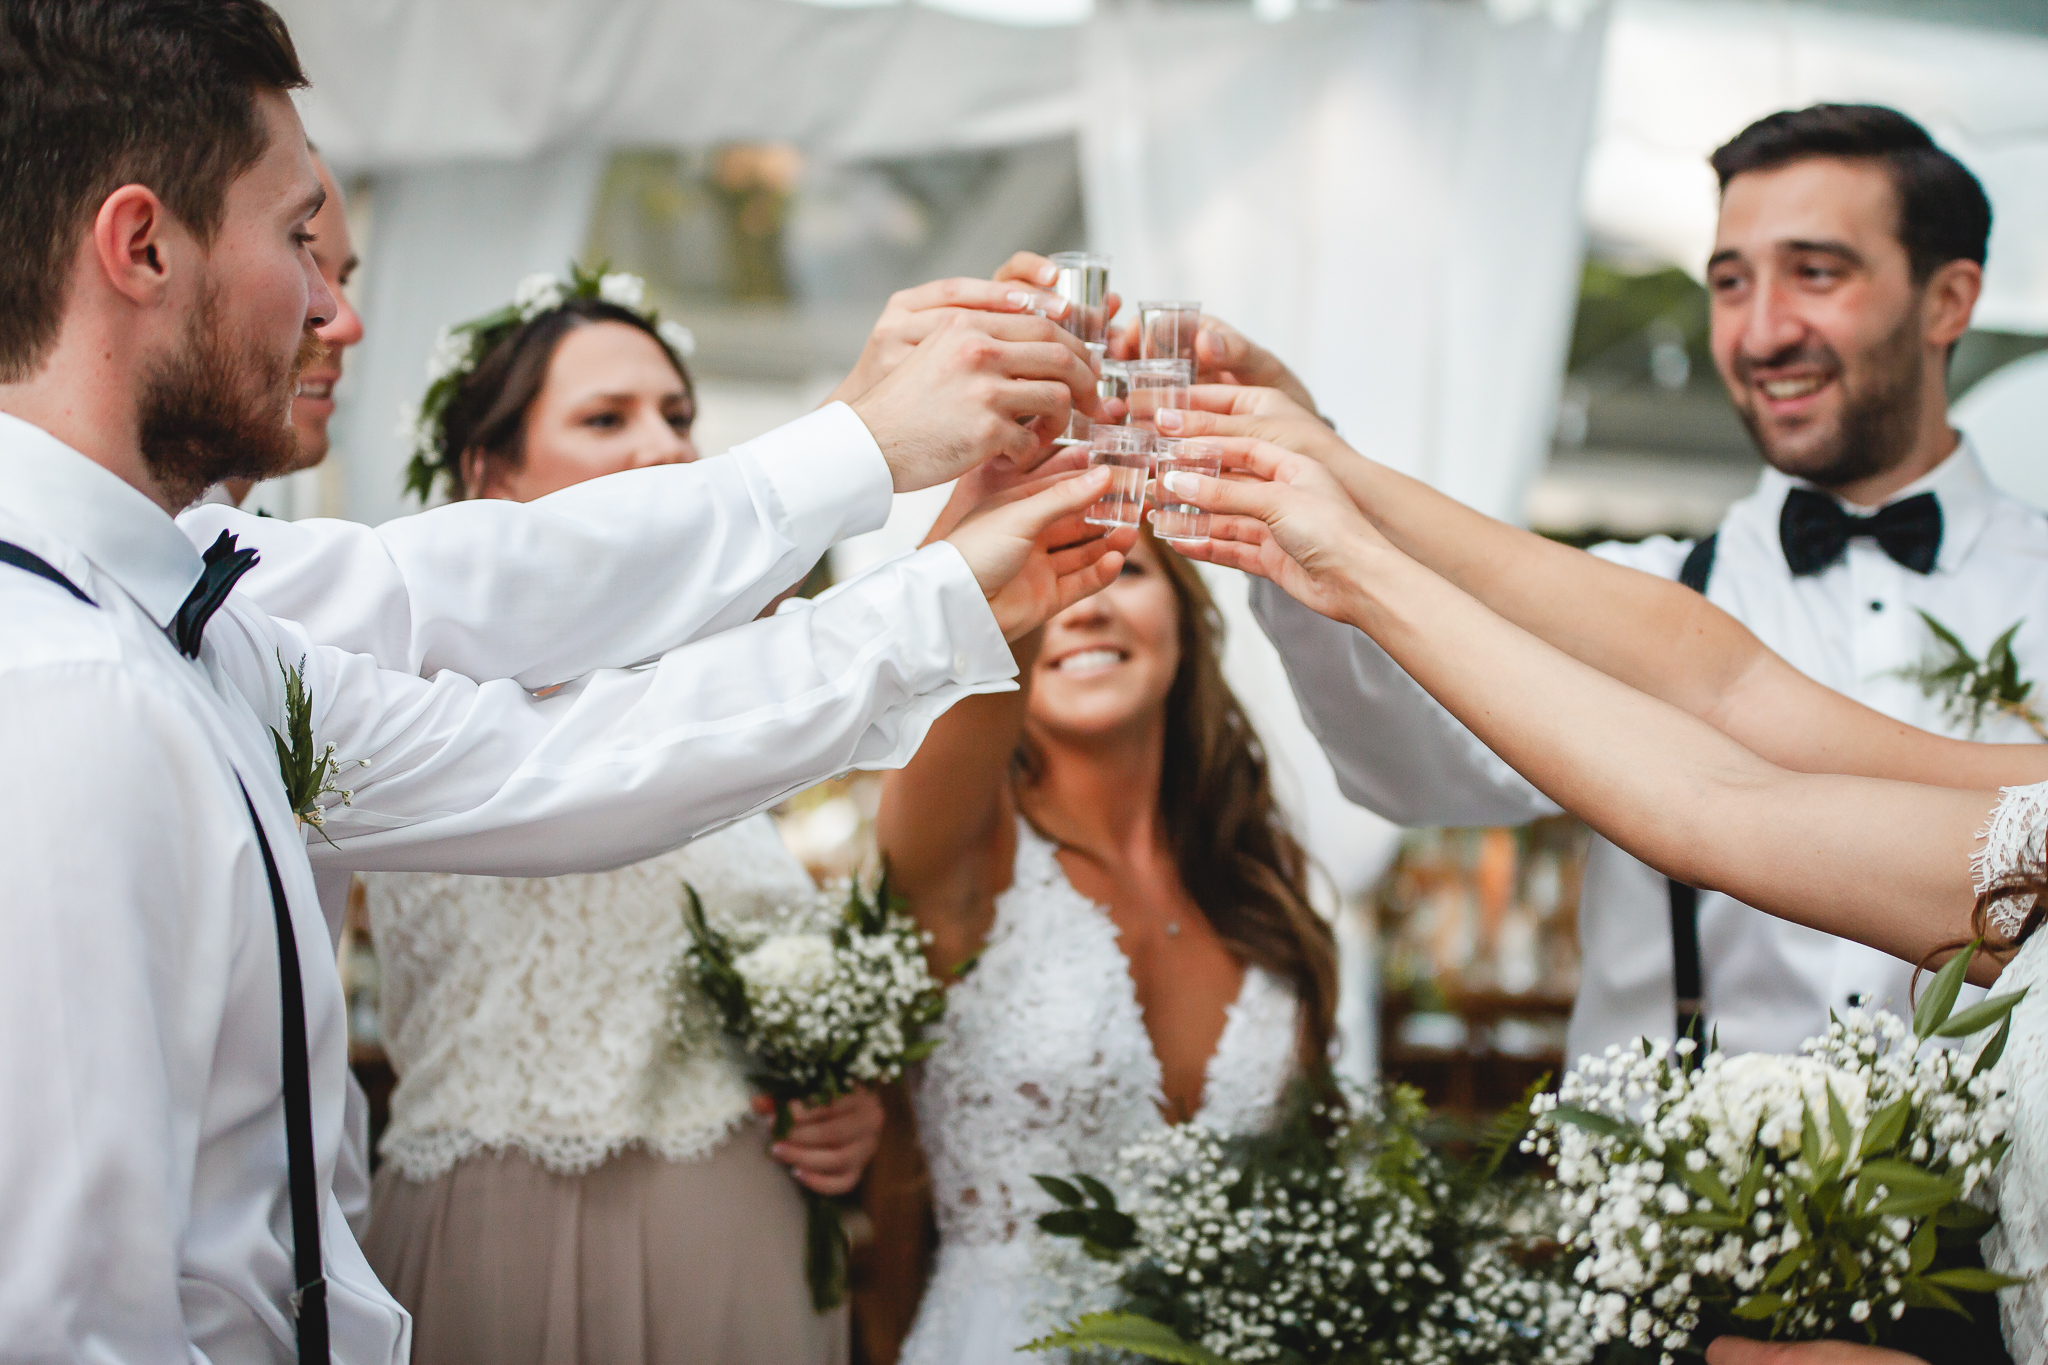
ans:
(660, 443)
(344, 327)
(320, 305)
(1089, 613)
(1770, 324)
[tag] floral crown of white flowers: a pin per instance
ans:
(461, 348)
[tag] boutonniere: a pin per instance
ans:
(309, 773)
(1971, 689)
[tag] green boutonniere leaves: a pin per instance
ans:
(1970, 689)
(309, 772)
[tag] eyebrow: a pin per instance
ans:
(1828, 248)
(627, 396)
(312, 203)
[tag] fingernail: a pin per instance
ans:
(1179, 482)
(1048, 272)
(1167, 419)
(1020, 300)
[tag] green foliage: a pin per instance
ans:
(307, 770)
(1970, 689)
(1127, 1332)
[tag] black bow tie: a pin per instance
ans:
(224, 565)
(1815, 531)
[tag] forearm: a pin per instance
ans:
(1886, 863)
(1664, 639)
(939, 807)
(606, 574)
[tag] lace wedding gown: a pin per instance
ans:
(2018, 1246)
(1045, 1068)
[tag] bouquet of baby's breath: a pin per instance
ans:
(1783, 1197)
(1338, 1237)
(824, 998)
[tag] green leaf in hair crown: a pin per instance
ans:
(460, 348)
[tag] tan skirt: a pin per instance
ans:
(642, 1261)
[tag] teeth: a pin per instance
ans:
(1090, 658)
(1790, 388)
(316, 389)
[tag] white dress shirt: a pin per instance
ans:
(604, 574)
(1769, 984)
(142, 1155)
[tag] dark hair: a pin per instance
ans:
(97, 94)
(1943, 213)
(1234, 854)
(487, 413)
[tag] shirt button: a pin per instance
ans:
(959, 663)
(1876, 606)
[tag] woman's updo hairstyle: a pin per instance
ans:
(486, 374)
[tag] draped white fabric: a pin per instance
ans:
(1387, 195)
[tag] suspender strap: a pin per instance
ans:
(309, 1300)
(10, 553)
(1686, 971)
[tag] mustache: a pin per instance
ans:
(1816, 353)
(312, 350)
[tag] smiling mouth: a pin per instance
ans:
(1090, 661)
(1785, 390)
(315, 388)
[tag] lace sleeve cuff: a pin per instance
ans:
(2013, 841)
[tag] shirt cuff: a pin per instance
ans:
(828, 474)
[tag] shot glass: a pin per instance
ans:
(1083, 281)
(1157, 385)
(1128, 453)
(1179, 520)
(1167, 330)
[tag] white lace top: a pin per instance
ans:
(2016, 837)
(1045, 1066)
(531, 1013)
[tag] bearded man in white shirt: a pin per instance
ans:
(1848, 257)
(175, 1094)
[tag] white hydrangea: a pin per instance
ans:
(537, 294)
(677, 337)
(796, 962)
(623, 291)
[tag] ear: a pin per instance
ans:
(132, 242)
(1951, 296)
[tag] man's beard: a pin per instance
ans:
(210, 412)
(1880, 416)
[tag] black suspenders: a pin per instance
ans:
(1687, 977)
(309, 1299)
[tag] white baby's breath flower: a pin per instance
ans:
(623, 291)
(536, 294)
(677, 337)
(453, 352)
(797, 962)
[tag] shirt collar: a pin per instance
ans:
(95, 512)
(1959, 484)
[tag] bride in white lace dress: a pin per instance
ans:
(1104, 847)
(1635, 703)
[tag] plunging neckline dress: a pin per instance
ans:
(1045, 1067)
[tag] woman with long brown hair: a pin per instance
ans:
(1103, 847)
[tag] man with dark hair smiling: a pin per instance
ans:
(174, 1081)
(1848, 256)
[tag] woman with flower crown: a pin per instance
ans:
(559, 1183)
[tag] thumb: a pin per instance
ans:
(1194, 422)
(1028, 517)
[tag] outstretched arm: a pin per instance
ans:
(1647, 632)
(1883, 862)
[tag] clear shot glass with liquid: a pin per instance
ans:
(1157, 385)
(1179, 520)
(1127, 452)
